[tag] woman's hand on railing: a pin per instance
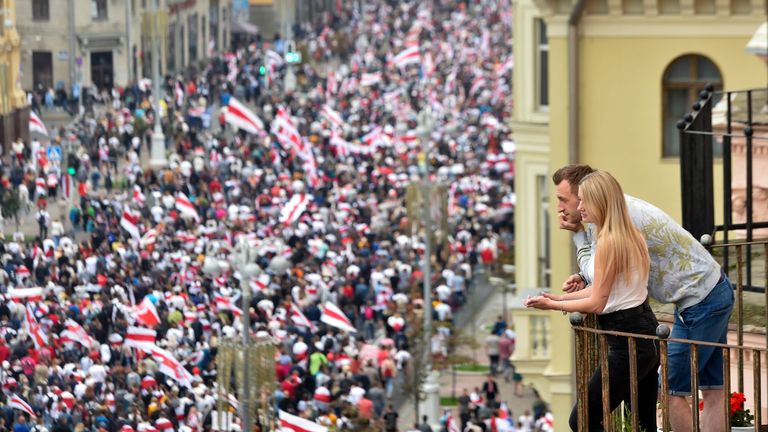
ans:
(540, 302)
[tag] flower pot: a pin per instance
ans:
(742, 428)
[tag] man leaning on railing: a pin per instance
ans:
(682, 272)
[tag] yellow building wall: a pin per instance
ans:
(560, 369)
(621, 108)
(620, 126)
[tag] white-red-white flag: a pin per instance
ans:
(286, 131)
(298, 318)
(294, 423)
(334, 118)
(33, 328)
(240, 116)
(369, 79)
(149, 237)
(146, 313)
(36, 125)
(138, 197)
(274, 59)
(169, 366)
(73, 329)
(333, 316)
(35, 294)
(140, 337)
(185, 206)
(130, 222)
(16, 402)
(227, 304)
(295, 207)
(406, 57)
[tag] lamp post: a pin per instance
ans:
(243, 257)
(430, 387)
(157, 153)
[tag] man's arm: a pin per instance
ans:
(585, 253)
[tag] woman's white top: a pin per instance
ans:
(630, 289)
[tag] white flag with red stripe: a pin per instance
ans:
(140, 337)
(406, 57)
(295, 207)
(138, 197)
(333, 117)
(298, 318)
(240, 116)
(130, 222)
(33, 328)
(369, 79)
(286, 131)
(294, 423)
(333, 316)
(36, 125)
(26, 294)
(16, 402)
(185, 206)
(169, 366)
(227, 304)
(146, 313)
(149, 237)
(78, 332)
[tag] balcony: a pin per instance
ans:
(739, 122)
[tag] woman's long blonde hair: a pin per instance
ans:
(621, 242)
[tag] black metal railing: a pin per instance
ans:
(592, 350)
(739, 122)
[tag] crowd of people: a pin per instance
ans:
(112, 317)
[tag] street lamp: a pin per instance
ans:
(243, 260)
(157, 152)
(426, 124)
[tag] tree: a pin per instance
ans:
(11, 205)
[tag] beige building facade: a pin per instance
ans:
(103, 43)
(14, 111)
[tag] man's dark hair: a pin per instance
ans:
(573, 174)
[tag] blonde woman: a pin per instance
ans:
(619, 296)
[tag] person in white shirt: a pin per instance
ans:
(682, 272)
(619, 296)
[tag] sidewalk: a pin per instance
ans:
(484, 305)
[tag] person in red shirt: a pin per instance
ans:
(5, 352)
(365, 408)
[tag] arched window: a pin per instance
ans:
(683, 79)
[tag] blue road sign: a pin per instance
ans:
(54, 153)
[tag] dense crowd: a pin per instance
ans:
(112, 317)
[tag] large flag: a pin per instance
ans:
(146, 314)
(185, 206)
(140, 337)
(16, 402)
(169, 366)
(406, 57)
(77, 333)
(36, 125)
(33, 328)
(333, 316)
(298, 318)
(294, 423)
(286, 132)
(240, 116)
(295, 207)
(130, 222)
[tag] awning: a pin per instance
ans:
(239, 26)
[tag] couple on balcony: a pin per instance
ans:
(626, 250)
